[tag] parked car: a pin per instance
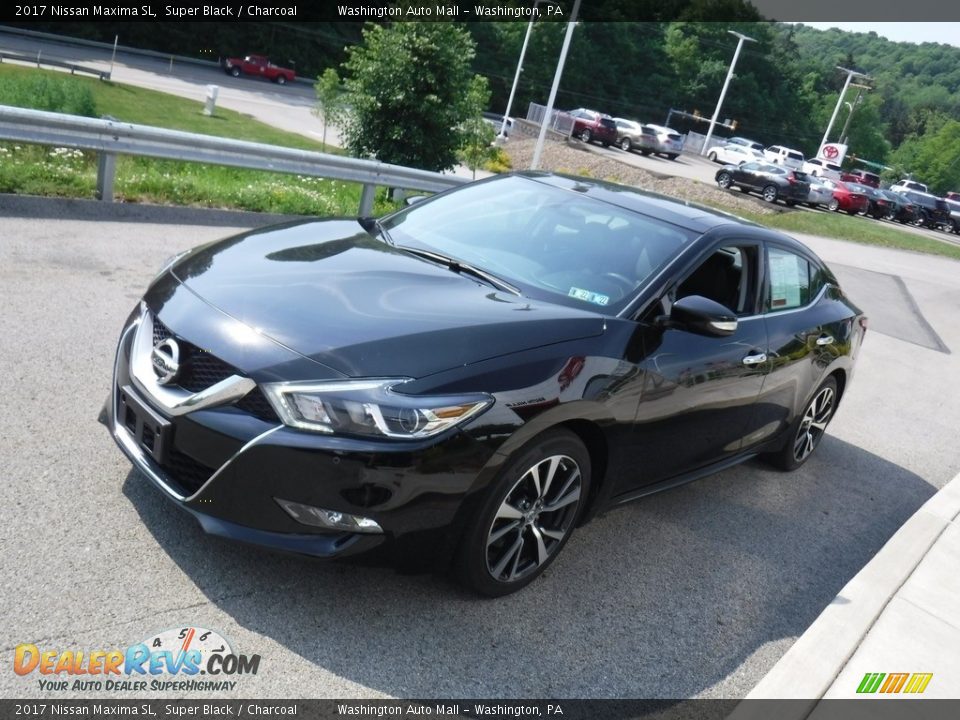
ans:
(878, 206)
(669, 141)
(634, 136)
(495, 120)
(258, 66)
(905, 185)
(932, 212)
(342, 388)
(845, 198)
(953, 206)
(822, 168)
(734, 154)
(772, 182)
(746, 142)
(901, 208)
(818, 194)
(862, 177)
(779, 155)
(590, 126)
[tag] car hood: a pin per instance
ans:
(330, 292)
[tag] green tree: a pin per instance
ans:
(408, 85)
(330, 105)
(933, 157)
(477, 134)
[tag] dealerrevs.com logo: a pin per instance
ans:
(177, 660)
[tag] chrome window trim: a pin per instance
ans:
(778, 313)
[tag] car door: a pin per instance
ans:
(745, 175)
(806, 330)
(698, 391)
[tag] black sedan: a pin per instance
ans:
(900, 208)
(464, 382)
(771, 181)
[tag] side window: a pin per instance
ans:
(789, 280)
(728, 276)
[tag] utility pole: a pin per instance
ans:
(843, 93)
(726, 84)
(853, 107)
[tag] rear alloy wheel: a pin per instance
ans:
(834, 205)
(235, 72)
(770, 193)
(724, 180)
(528, 516)
(586, 135)
(281, 80)
(712, 156)
(807, 431)
(626, 145)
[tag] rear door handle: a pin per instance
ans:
(755, 359)
(825, 340)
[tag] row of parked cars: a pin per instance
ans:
(628, 135)
(779, 173)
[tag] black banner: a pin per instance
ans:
(875, 708)
(300, 11)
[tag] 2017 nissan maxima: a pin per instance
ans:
(464, 382)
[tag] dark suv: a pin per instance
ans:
(590, 125)
(932, 212)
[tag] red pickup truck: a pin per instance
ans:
(259, 66)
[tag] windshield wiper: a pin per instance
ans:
(463, 268)
(371, 225)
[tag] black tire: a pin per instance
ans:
(834, 205)
(770, 193)
(586, 135)
(724, 180)
(521, 548)
(808, 429)
(626, 145)
(235, 71)
(281, 80)
(712, 156)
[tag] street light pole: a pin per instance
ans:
(726, 84)
(843, 94)
(853, 107)
(523, 52)
(556, 85)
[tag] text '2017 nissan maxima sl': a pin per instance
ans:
(465, 381)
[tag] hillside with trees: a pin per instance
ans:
(785, 89)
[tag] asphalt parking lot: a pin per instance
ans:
(693, 592)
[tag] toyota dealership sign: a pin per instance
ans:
(832, 153)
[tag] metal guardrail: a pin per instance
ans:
(110, 138)
(39, 60)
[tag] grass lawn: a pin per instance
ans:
(37, 170)
(856, 229)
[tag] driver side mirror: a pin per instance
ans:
(702, 316)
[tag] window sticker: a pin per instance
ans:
(784, 280)
(591, 297)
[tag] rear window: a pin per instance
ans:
(607, 122)
(675, 137)
(794, 156)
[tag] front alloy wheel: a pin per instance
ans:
(626, 145)
(528, 517)
(770, 193)
(808, 429)
(586, 135)
(724, 180)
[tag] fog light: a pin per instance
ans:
(329, 519)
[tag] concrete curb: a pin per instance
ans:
(809, 668)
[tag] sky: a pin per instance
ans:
(917, 32)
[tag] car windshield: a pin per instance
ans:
(555, 244)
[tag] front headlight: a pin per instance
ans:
(371, 408)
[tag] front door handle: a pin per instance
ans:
(825, 340)
(755, 359)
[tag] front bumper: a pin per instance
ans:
(225, 467)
